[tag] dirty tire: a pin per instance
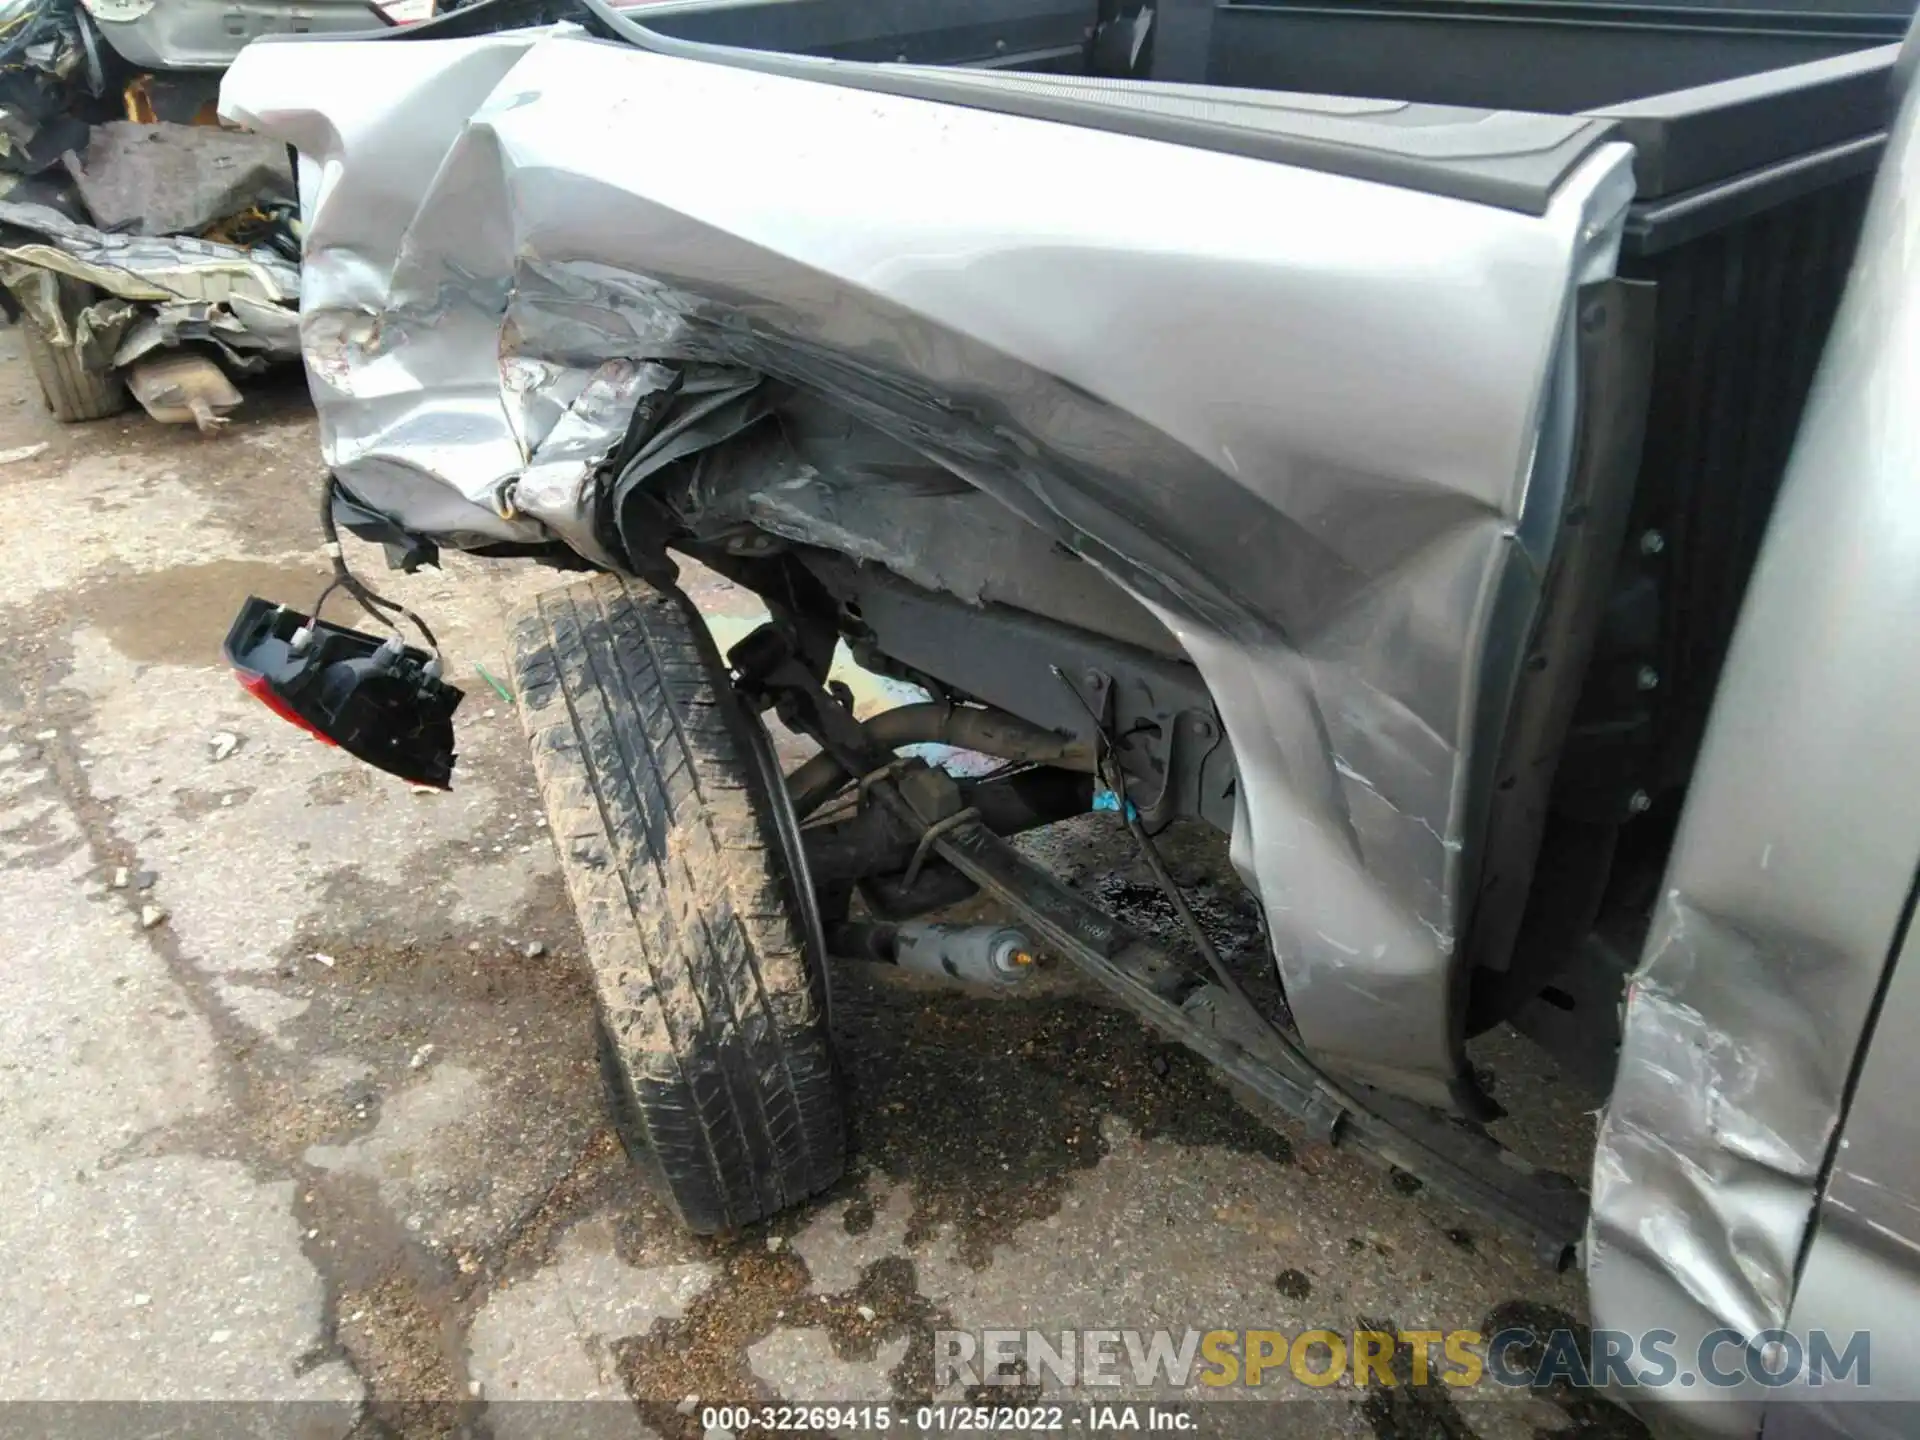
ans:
(73, 392)
(712, 1012)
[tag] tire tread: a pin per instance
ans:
(713, 1023)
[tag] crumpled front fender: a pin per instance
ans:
(1320, 425)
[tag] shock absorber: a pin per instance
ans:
(999, 955)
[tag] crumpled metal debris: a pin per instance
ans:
(158, 291)
(131, 238)
(50, 57)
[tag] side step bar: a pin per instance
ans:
(1458, 1160)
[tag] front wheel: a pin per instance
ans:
(692, 897)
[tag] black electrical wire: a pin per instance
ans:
(376, 605)
(1111, 777)
(29, 29)
(1163, 877)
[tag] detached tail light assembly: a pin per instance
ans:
(379, 699)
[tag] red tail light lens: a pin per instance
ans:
(261, 689)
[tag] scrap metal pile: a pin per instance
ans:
(147, 252)
(110, 304)
(52, 61)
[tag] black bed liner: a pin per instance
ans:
(1280, 81)
(1503, 158)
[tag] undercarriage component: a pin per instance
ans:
(379, 700)
(1457, 1159)
(936, 886)
(1167, 735)
(184, 388)
(998, 955)
(965, 727)
(876, 842)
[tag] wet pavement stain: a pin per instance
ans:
(391, 1334)
(858, 1218)
(1408, 1411)
(181, 616)
(398, 1299)
(1010, 1384)
(757, 1291)
(1588, 1415)
(988, 1108)
(1404, 1410)
(253, 1072)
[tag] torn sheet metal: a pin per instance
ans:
(162, 269)
(160, 291)
(51, 60)
(1789, 880)
(95, 330)
(1109, 334)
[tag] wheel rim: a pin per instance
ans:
(786, 825)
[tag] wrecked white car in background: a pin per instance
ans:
(146, 250)
(1376, 480)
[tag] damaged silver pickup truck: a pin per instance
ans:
(1221, 417)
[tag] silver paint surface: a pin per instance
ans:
(207, 34)
(1787, 890)
(1320, 426)
(1862, 1267)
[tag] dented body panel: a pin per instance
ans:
(1330, 460)
(1789, 890)
(1327, 431)
(207, 34)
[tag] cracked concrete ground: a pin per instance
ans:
(300, 1100)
